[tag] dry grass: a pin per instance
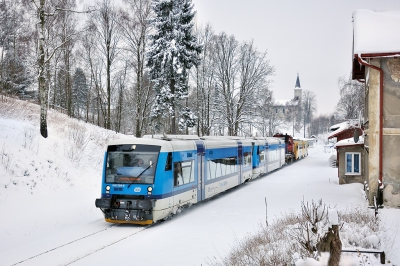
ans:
(275, 244)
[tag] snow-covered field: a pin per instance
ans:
(48, 188)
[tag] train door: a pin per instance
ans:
(283, 153)
(267, 156)
(200, 170)
(240, 161)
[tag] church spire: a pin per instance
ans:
(297, 81)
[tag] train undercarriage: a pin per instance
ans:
(123, 209)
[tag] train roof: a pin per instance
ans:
(172, 137)
(166, 145)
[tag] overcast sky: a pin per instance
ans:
(309, 37)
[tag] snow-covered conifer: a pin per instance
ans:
(174, 50)
(79, 91)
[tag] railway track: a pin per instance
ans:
(81, 247)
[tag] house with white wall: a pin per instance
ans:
(376, 61)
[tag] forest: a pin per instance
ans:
(145, 66)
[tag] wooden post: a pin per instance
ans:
(335, 247)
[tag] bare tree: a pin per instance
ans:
(95, 108)
(67, 35)
(15, 37)
(351, 101)
(264, 106)
(226, 68)
(240, 71)
(104, 22)
(309, 107)
(320, 124)
(135, 28)
(201, 96)
(254, 70)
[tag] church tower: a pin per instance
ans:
(297, 89)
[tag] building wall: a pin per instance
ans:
(391, 130)
(298, 94)
(371, 139)
(348, 179)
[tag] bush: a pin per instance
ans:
(269, 246)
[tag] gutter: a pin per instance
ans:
(363, 62)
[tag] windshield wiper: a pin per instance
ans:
(142, 172)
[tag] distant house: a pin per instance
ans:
(376, 61)
(350, 160)
(339, 133)
(342, 131)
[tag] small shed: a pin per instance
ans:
(343, 130)
(350, 159)
(339, 132)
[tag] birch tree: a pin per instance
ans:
(44, 10)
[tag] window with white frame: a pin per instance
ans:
(353, 163)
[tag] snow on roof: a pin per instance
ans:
(280, 102)
(336, 129)
(376, 32)
(349, 142)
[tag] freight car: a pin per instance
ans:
(295, 149)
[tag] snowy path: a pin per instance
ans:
(70, 245)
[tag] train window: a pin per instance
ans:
(178, 179)
(221, 167)
(183, 173)
(262, 156)
(247, 159)
(127, 167)
(168, 164)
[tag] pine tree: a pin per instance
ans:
(174, 50)
(79, 92)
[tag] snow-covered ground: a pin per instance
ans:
(48, 188)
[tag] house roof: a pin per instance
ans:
(349, 142)
(376, 33)
(297, 82)
(339, 128)
(280, 102)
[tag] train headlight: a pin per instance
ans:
(108, 188)
(149, 190)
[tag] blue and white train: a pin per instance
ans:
(149, 179)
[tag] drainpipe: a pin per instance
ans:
(363, 62)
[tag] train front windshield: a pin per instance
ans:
(128, 164)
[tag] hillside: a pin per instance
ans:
(48, 171)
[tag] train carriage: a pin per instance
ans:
(260, 160)
(149, 179)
